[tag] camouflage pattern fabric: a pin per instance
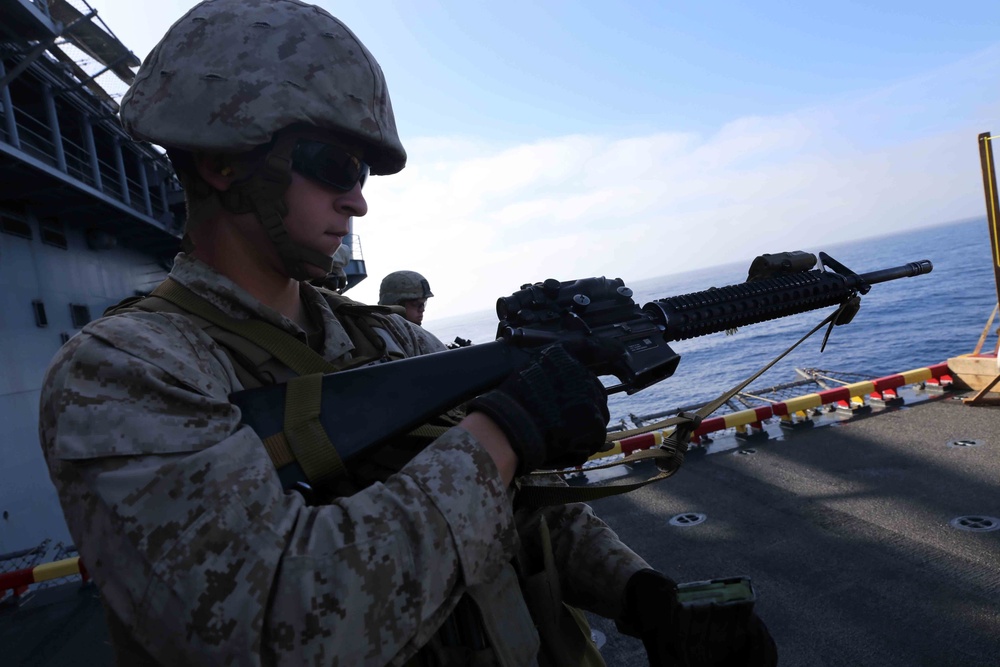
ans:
(400, 286)
(594, 565)
(180, 517)
(231, 73)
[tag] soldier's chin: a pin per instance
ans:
(314, 271)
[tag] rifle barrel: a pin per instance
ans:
(905, 271)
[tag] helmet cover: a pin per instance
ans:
(229, 74)
(401, 286)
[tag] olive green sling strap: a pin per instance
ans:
(286, 348)
(303, 438)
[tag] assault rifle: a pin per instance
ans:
(596, 319)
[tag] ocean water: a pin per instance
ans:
(902, 325)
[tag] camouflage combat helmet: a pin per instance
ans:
(401, 286)
(229, 74)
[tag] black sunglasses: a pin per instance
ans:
(329, 165)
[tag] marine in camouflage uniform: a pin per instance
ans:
(408, 289)
(177, 510)
(202, 557)
(199, 554)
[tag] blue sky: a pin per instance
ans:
(569, 139)
(530, 69)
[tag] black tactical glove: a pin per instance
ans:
(677, 636)
(554, 412)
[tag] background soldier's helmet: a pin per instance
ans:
(231, 73)
(401, 286)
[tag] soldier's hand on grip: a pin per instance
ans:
(695, 636)
(554, 412)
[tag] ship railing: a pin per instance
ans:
(756, 396)
(35, 138)
(354, 240)
(641, 420)
(25, 557)
(22, 572)
(848, 395)
(109, 177)
(77, 162)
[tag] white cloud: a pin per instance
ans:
(479, 219)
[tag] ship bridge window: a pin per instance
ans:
(53, 233)
(14, 226)
(41, 320)
(80, 314)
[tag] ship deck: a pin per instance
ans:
(845, 529)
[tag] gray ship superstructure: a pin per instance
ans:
(87, 218)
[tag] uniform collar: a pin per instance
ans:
(236, 302)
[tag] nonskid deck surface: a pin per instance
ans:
(61, 626)
(845, 530)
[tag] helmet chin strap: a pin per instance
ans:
(263, 194)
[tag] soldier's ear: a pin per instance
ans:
(215, 170)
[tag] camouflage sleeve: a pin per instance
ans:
(180, 517)
(593, 563)
(414, 338)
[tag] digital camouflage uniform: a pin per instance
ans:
(177, 510)
(200, 556)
